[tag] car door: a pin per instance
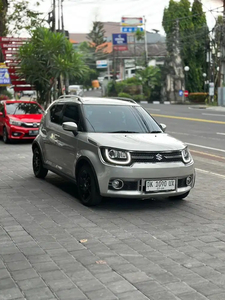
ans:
(2, 110)
(67, 140)
(52, 127)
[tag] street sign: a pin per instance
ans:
(119, 41)
(211, 89)
(131, 22)
(101, 64)
(181, 93)
(186, 93)
(4, 77)
(131, 29)
(129, 63)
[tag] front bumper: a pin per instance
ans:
(135, 177)
(21, 133)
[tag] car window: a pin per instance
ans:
(71, 114)
(2, 109)
(56, 114)
(23, 108)
(116, 119)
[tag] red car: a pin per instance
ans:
(19, 119)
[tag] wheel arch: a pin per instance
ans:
(86, 161)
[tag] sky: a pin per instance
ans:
(79, 14)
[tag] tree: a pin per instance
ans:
(47, 57)
(97, 34)
(150, 79)
(201, 42)
(190, 28)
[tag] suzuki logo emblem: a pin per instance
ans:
(35, 125)
(159, 157)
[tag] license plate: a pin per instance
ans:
(160, 185)
(33, 132)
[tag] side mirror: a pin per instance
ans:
(69, 126)
(1, 114)
(163, 126)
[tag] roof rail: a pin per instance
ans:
(124, 99)
(70, 97)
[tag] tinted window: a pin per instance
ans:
(56, 114)
(2, 108)
(23, 108)
(113, 119)
(71, 114)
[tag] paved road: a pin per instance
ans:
(52, 247)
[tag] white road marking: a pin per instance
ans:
(220, 133)
(216, 115)
(205, 147)
(210, 173)
(156, 109)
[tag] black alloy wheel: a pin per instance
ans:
(87, 187)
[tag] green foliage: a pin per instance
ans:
(45, 58)
(4, 97)
(198, 97)
(97, 34)
(7, 94)
(139, 35)
(21, 16)
(138, 98)
(111, 89)
(193, 38)
(124, 95)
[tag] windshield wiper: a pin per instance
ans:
(124, 131)
(156, 131)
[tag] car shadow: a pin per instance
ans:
(116, 204)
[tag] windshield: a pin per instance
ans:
(119, 119)
(23, 108)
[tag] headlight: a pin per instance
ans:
(116, 156)
(186, 155)
(16, 123)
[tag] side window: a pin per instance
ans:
(71, 114)
(56, 114)
(2, 109)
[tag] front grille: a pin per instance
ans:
(156, 157)
(30, 125)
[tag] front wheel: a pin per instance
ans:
(180, 197)
(6, 139)
(87, 187)
(38, 168)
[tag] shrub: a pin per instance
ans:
(198, 97)
(111, 89)
(138, 98)
(4, 97)
(7, 93)
(125, 95)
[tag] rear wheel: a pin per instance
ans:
(5, 137)
(87, 186)
(38, 168)
(180, 197)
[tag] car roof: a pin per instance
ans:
(19, 101)
(98, 101)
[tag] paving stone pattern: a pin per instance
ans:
(131, 250)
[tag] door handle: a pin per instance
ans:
(57, 136)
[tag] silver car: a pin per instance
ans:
(111, 148)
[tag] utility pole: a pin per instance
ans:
(53, 16)
(146, 42)
(59, 17)
(62, 17)
(222, 48)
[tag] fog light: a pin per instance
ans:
(189, 180)
(117, 184)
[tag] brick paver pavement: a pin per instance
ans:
(52, 247)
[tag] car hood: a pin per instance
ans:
(26, 118)
(137, 142)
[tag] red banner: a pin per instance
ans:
(4, 39)
(23, 88)
(120, 48)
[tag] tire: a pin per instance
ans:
(180, 197)
(38, 169)
(88, 191)
(5, 136)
